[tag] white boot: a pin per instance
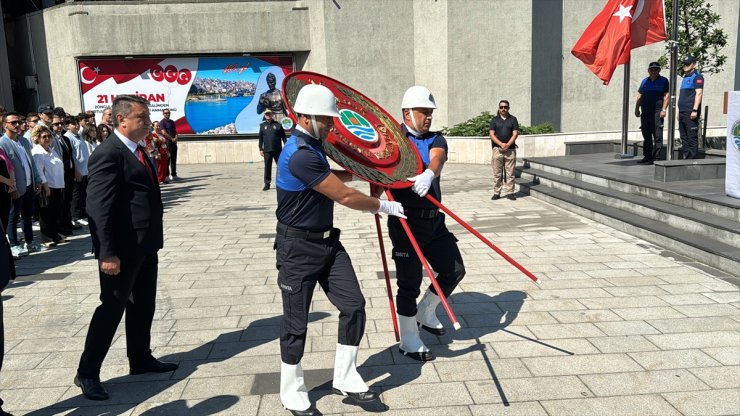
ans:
(346, 377)
(426, 313)
(293, 392)
(347, 381)
(411, 345)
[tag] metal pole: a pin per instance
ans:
(674, 62)
(625, 109)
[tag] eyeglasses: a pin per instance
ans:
(167, 113)
(503, 107)
(14, 122)
(34, 120)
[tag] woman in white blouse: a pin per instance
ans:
(51, 168)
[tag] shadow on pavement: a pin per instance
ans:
(480, 315)
(127, 392)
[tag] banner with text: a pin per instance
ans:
(205, 95)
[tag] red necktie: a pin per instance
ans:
(140, 152)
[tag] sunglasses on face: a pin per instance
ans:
(503, 107)
(34, 120)
(14, 122)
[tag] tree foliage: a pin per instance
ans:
(478, 126)
(698, 35)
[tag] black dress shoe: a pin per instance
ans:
(266, 187)
(311, 411)
(419, 356)
(511, 197)
(152, 366)
(66, 231)
(645, 160)
(364, 397)
(91, 388)
(495, 197)
(434, 331)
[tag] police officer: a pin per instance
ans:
(689, 108)
(309, 251)
(427, 224)
(652, 101)
(271, 139)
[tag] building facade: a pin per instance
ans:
(471, 54)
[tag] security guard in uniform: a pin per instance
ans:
(689, 108)
(271, 139)
(427, 224)
(309, 251)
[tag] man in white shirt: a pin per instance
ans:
(80, 154)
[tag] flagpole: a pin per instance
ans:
(674, 62)
(625, 111)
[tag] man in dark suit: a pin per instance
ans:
(125, 216)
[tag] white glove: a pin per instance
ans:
(390, 208)
(422, 182)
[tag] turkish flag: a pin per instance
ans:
(621, 26)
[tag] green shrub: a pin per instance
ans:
(479, 125)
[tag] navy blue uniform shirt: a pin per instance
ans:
(652, 94)
(689, 85)
(301, 166)
(423, 143)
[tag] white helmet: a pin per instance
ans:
(316, 100)
(418, 97)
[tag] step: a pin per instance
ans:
(678, 198)
(684, 219)
(705, 250)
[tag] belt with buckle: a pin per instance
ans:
(421, 213)
(293, 232)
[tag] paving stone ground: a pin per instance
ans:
(618, 326)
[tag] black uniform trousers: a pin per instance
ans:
(651, 126)
(303, 263)
(438, 245)
(689, 131)
(269, 157)
(133, 290)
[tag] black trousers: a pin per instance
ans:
(651, 126)
(269, 157)
(69, 180)
(79, 194)
(172, 147)
(49, 216)
(132, 291)
(689, 131)
(5, 202)
(303, 263)
(438, 245)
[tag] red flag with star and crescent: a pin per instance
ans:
(621, 26)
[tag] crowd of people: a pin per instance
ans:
(44, 172)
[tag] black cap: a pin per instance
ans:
(45, 109)
(654, 65)
(688, 60)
